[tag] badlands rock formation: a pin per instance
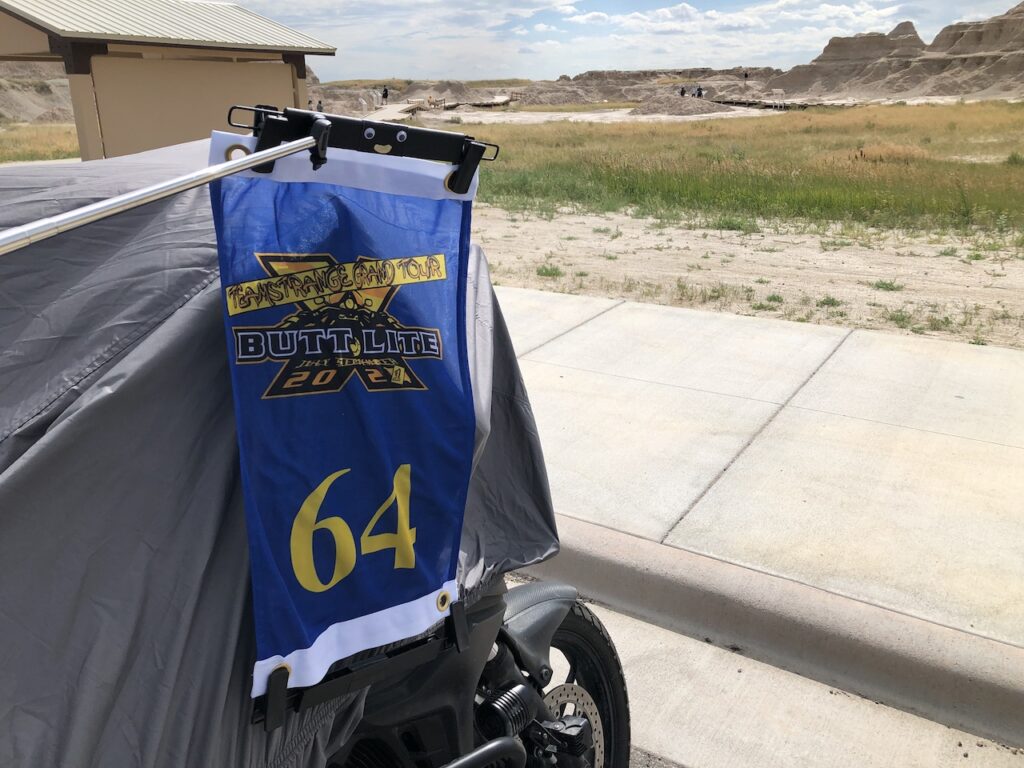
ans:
(34, 92)
(980, 59)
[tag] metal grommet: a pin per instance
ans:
(369, 134)
(228, 152)
(401, 137)
(448, 182)
(444, 600)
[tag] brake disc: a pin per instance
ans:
(583, 705)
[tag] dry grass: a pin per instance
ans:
(19, 141)
(884, 166)
(888, 153)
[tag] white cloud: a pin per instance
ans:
(595, 17)
(524, 38)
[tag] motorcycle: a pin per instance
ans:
(538, 683)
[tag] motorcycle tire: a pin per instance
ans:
(594, 666)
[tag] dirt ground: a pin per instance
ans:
(486, 117)
(968, 288)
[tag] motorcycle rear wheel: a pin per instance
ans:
(593, 664)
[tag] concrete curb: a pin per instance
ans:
(952, 677)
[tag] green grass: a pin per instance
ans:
(1015, 158)
(396, 85)
(509, 82)
(774, 298)
(549, 270)
(887, 285)
(900, 318)
(613, 234)
(864, 165)
(735, 224)
(829, 301)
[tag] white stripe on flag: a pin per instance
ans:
(347, 638)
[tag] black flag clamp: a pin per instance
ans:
(272, 127)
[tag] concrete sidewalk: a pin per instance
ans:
(697, 706)
(861, 476)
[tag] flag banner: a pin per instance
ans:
(345, 308)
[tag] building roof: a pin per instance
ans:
(163, 22)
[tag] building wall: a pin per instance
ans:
(144, 103)
(87, 119)
(19, 39)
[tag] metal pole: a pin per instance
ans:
(18, 237)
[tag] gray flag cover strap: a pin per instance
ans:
(126, 606)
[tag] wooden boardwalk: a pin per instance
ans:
(394, 113)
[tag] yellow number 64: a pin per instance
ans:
(306, 524)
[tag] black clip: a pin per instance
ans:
(274, 131)
(461, 178)
(277, 129)
(277, 699)
(321, 131)
(458, 627)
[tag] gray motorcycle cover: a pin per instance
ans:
(126, 634)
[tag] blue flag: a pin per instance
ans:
(344, 303)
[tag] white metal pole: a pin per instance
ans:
(18, 237)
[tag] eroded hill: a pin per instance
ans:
(976, 59)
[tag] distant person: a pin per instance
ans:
(309, 104)
(700, 92)
(746, 75)
(320, 105)
(682, 91)
(384, 96)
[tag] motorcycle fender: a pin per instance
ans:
(533, 613)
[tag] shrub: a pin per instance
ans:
(549, 270)
(887, 285)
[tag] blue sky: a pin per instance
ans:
(542, 39)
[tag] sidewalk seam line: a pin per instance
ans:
(908, 427)
(749, 442)
(655, 383)
(570, 330)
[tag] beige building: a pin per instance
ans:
(149, 73)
